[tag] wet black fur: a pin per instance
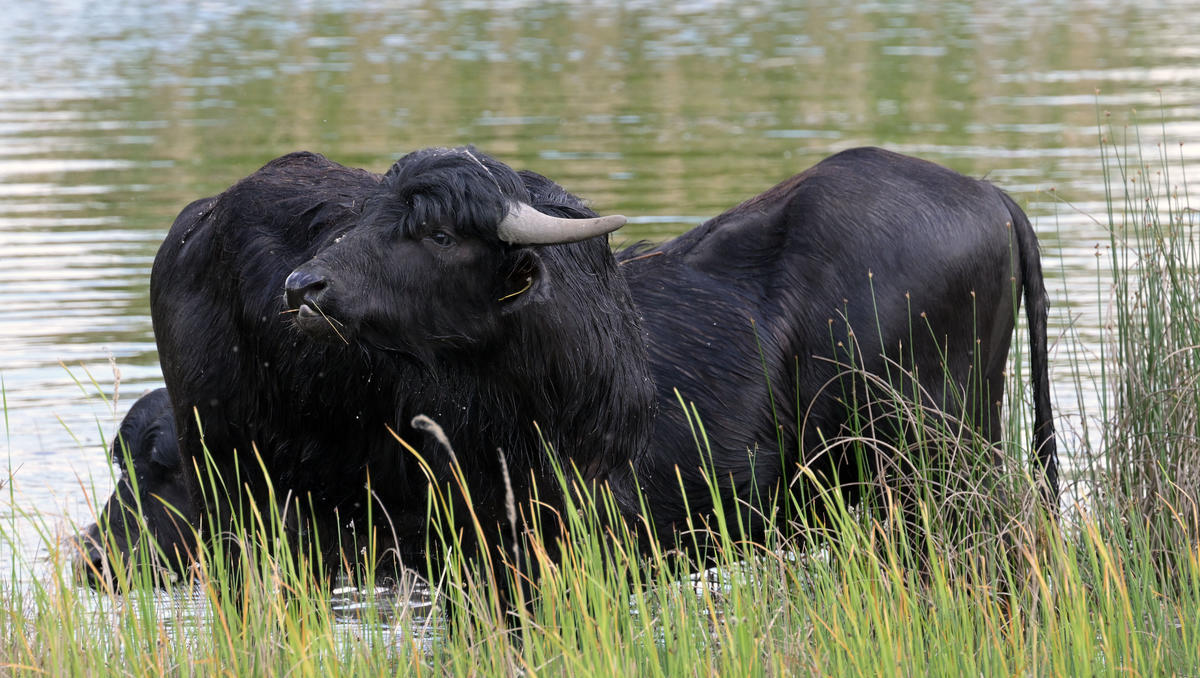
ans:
(912, 258)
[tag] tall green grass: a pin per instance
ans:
(1112, 588)
(1149, 464)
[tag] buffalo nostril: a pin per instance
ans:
(303, 286)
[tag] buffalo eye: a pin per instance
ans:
(441, 238)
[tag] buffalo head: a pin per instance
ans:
(150, 508)
(445, 249)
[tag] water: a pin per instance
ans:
(114, 115)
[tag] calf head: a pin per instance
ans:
(150, 505)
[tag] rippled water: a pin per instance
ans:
(114, 115)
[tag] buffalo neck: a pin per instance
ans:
(566, 380)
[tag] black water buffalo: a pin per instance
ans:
(150, 492)
(311, 310)
(890, 264)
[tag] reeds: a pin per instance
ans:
(1148, 466)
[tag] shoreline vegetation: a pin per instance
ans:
(1112, 587)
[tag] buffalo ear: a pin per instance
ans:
(526, 282)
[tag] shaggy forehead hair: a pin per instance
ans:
(457, 188)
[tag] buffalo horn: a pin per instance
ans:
(524, 225)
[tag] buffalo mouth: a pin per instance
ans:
(318, 324)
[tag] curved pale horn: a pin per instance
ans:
(526, 226)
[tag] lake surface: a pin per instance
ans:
(114, 115)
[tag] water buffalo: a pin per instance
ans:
(409, 300)
(311, 310)
(151, 491)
